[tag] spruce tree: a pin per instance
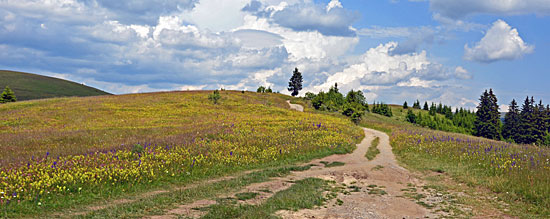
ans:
(488, 118)
(295, 83)
(7, 96)
(540, 123)
(405, 106)
(416, 104)
(426, 106)
(433, 109)
(510, 130)
(526, 129)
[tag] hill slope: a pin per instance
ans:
(31, 86)
(72, 149)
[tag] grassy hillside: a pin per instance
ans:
(63, 152)
(31, 86)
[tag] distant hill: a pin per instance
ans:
(31, 86)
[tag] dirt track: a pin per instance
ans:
(357, 171)
(361, 173)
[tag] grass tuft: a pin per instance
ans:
(373, 149)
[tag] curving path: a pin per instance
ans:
(361, 172)
(357, 171)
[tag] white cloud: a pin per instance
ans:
(208, 44)
(331, 20)
(333, 4)
(379, 69)
(462, 73)
(416, 82)
(504, 107)
(217, 15)
(501, 42)
(303, 44)
(457, 9)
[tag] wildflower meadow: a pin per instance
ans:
(67, 147)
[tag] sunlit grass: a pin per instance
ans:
(72, 146)
(519, 174)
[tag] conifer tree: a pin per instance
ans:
(426, 106)
(488, 118)
(510, 130)
(7, 96)
(405, 106)
(295, 83)
(527, 124)
(416, 104)
(433, 109)
(540, 123)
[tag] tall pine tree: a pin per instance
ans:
(510, 130)
(540, 123)
(295, 83)
(488, 118)
(527, 125)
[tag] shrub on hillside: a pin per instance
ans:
(214, 97)
(7, 96)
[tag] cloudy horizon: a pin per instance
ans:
(445, 51)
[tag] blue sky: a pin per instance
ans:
(445, 51)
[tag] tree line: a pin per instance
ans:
(461, 120)
(529, 124)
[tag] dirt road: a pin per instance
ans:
(371, 178)
(378, 187)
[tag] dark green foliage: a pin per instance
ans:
(433, 110)
(488, 117)
(332, 101)
(382, 109)
(541, 125)
(440, 123)
(426, 106)
(411, 117)
(405, 106)
(416, 105)
(462, 121)
(527, 126)
(31, 86)
(214, 97)
(465, 119)
(534, 123)
(262, 89)
(353, 105)
(309, 96)
(295, 84)
(512, 121)
(7, 96)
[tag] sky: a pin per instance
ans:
(446, 51)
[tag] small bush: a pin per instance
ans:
(215, 96)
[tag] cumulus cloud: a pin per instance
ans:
(458, 9)
(501, 42)
(180, 45)
(332, 20)
(379, 69)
